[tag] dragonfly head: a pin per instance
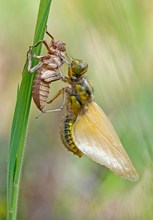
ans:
(77, 68)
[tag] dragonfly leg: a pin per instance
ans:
(61, 91)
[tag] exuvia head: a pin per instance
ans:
(58, 45)
(77, 68)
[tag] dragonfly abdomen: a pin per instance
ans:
(67, 137)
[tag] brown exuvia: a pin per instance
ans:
(47, 69)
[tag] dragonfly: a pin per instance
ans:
(85, 129)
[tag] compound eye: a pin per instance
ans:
(75, 63)
(80, 66)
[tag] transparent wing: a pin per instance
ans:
(96, 138)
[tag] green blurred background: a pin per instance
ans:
(115, 39)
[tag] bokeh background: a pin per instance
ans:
(115, 39)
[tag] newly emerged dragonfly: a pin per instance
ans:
(85, 129)
(47, 69)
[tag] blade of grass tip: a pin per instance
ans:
(20, 119)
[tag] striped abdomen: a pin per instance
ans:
(40, 91)
(67, 138)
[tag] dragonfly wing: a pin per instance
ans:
(95, 137)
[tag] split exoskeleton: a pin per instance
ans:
(47, 69)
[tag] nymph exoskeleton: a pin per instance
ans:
(47, 69)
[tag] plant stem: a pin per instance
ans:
(20, 119)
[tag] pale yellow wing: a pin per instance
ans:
(96, 138)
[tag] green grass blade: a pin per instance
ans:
(21, 115)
